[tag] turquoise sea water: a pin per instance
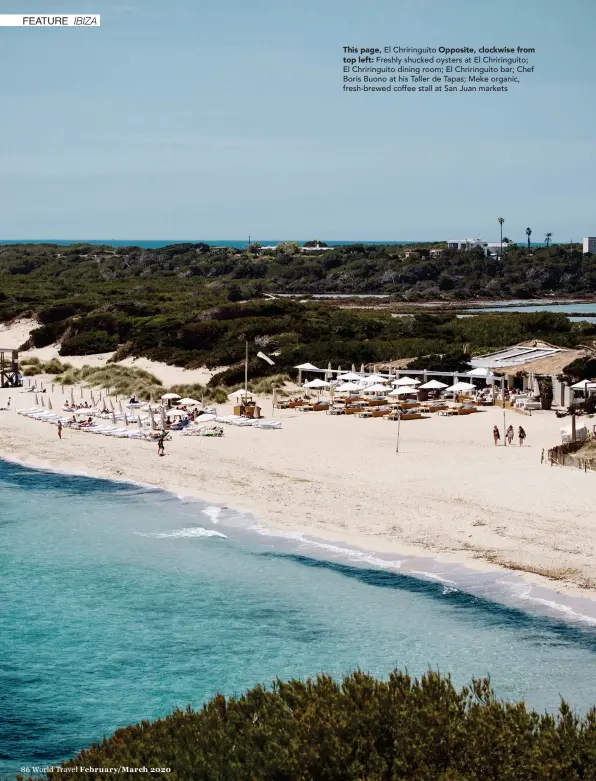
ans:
(120, 603)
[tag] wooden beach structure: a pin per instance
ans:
(10, 376)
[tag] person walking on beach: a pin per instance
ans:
(496, 435)
(510, 434)
(521, 434)
(160, 446)
(59, 429)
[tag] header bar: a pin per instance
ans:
(49, 20)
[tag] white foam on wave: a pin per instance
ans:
(212, 513)
(523, 591)
(431, 576)
(350, 553)
(190, 531)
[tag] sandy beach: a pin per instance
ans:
(449, 492)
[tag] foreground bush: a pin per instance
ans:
(361, 729)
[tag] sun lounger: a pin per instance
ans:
(267, 424)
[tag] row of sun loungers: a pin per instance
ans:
(44, 415)
(238, 420)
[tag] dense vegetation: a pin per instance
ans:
(361, 729)
(191, 304)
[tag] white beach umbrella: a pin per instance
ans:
(349, 376)
(405, 381)
(308, 367)
(120, 410)
(170, 396)
(163, 418)
(113, 418)
(432, 385)
(329, 375)
(189, 402)
(346, 387)
(584, 385)
(151, 419)
(239, 394)
(139, 422)
(43, 404)
(361, 368)
(316, 384)
(50, 404)
(480, 372)
(353, 367)
(460, 386)
(375, 379)
(402, 391)
(112, 405)
(36, 400)
(375, 389)
(176, 413)
(72, 394)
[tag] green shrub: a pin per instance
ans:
(33, 361)
(48, 334)
(89, 343)
(218, 395)
(55, 367)
(360, 729)
(31, 370)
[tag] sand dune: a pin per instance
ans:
(15, 334)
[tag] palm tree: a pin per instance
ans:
(501, 220)
(548, 237)
(528, 234)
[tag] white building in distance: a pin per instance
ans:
(489, 248)
(590, 245)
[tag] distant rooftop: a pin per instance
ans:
(532, 357)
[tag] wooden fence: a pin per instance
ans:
(563, 455)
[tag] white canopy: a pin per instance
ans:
(404, 390)
(308, 367)
(406, 381)
(189, 401)
(375, 389)
(239, 392)
(316, 384)
(590, 384)
(170, 396)
(348, 376)
(349, 386)
(461, 386)
(481, 372)
(375, 378)
(433, 385)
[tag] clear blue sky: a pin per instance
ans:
(191, 120)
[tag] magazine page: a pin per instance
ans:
(297, 390)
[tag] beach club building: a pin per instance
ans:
(527, 361)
